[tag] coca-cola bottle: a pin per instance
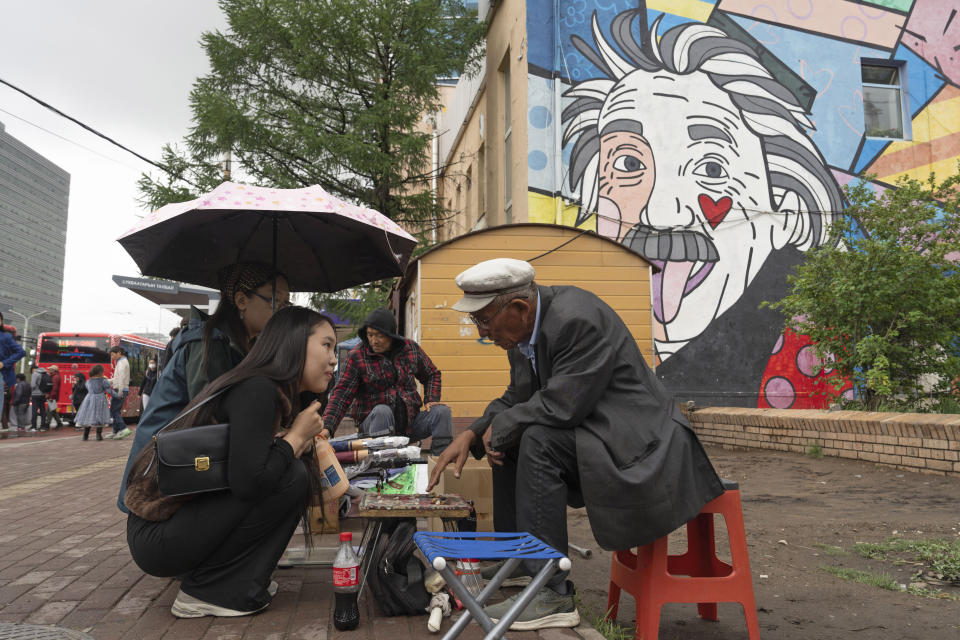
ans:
(346, 584)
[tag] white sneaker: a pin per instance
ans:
(123, 433)
(186, 606)
(109, 436)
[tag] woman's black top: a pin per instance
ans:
(258, 461)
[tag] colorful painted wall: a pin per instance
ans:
(713, 137)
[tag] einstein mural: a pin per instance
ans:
(713, 137)
(694, 155)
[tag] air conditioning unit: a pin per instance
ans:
(484, 8)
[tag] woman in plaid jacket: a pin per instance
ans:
(380, 377)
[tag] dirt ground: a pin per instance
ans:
(808, 502)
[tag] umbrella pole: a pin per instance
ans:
(276, 240)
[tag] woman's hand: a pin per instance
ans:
(307, 425)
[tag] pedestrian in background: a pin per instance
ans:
(170, 348)
(10, 354)
(94, 410)
(149, 382)
(120, 387)
(53, 398)
(21, 402)
(78, 393)
(40, 385)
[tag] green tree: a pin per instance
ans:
(882, 307)
(327, 92)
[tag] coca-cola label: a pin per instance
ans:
(345, 576)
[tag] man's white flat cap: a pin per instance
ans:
(483, 282)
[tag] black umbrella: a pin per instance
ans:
(319, 242)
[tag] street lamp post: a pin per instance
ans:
(26, 329)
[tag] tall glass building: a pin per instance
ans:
(33, 234)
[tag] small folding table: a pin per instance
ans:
(437, 546)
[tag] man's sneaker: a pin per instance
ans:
(123, 433)
(547, 609)
(518, 578)
(109, 436)
(186, 606)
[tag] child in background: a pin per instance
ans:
(95, 409)
(21, 402)
(77, 394)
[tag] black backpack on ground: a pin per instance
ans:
(396, 577)
(45, 383)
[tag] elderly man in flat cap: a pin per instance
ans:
(583, 422)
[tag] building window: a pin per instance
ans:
(883, 101)
(468, 213)
(507, 151)
(481, 184)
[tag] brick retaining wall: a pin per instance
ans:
(923, 442)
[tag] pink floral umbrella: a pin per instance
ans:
(320, 242)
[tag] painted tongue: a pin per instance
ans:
(668, 288)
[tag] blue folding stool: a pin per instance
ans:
(437, 546)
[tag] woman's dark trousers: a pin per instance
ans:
(38, 410)
(7, 404)
(223, 550)
(534, 486)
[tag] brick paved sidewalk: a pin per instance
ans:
(65, 561)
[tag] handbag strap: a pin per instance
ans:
(193, 408)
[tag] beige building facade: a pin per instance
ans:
(482, 137)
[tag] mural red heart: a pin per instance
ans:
(715, 210)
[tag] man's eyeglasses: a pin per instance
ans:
(280, 303)
(484, 323)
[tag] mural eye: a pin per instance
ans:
(712, 170)
(628, 163)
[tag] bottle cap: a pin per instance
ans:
(346, 536)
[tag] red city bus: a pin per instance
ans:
(75, 353)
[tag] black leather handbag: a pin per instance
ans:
(193, 460)
(178, 464)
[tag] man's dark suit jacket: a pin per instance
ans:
(643, 473)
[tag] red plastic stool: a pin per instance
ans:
(654, 578)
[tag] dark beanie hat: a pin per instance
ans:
(383, 321)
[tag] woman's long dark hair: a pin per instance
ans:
(279, 354)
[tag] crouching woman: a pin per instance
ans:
(223, 546)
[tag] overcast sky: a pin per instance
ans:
(125, 68)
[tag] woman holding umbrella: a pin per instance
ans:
(225, 545)
(250, 292)
(208, 348)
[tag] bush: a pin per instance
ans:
(880, 304)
